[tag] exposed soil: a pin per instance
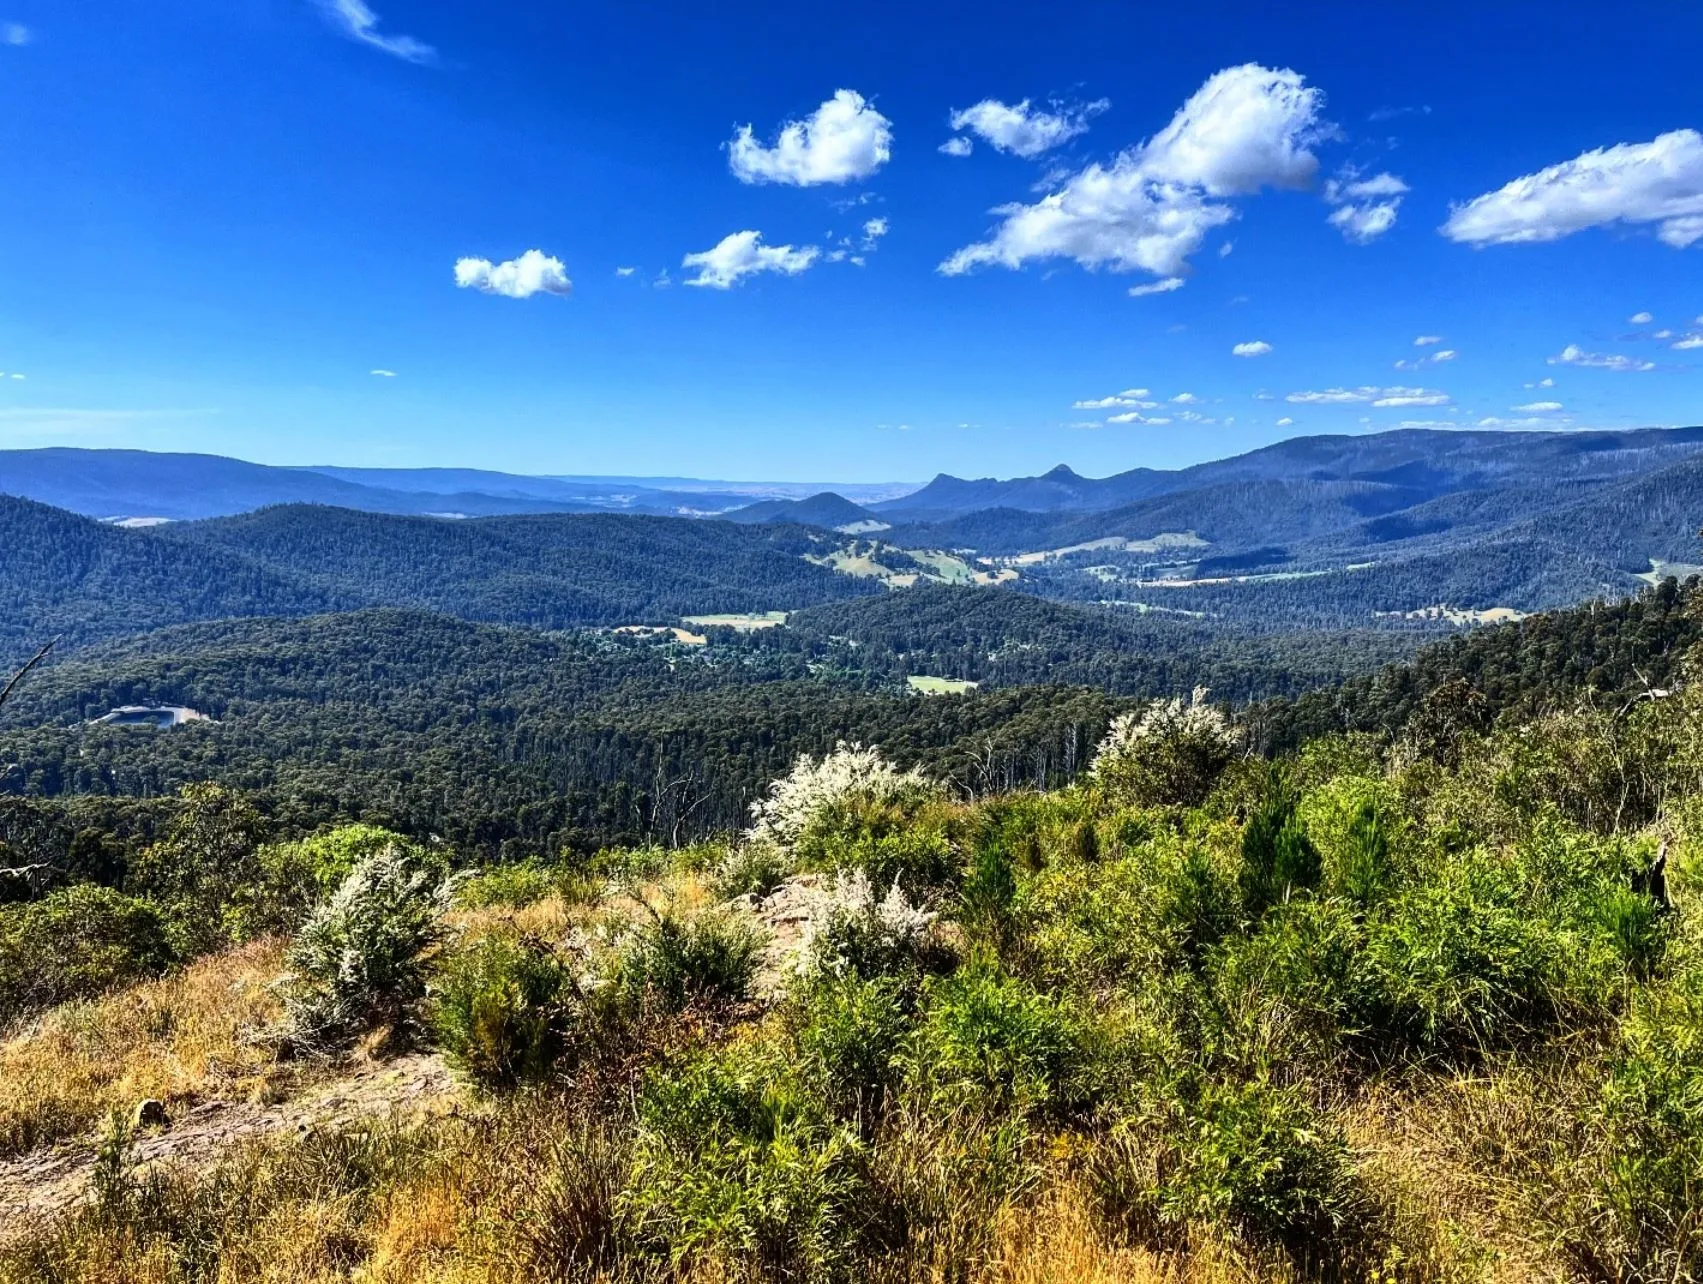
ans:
(54, 1177)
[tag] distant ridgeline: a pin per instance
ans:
(1390, 530)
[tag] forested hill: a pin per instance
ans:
(1000, 637)
(69, 577)
(77, 579)
(547, 571)
(1611, 653)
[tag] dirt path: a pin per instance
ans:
(54, 1177)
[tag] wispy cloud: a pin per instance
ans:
(358, 22)
(742, 254)
(1369, 395)
(1024, 130)
(22, 423)
(14, 34)
(1574, 355)
(1659, 182)
(1164, 286)
(383, 374)
(1366, 208)
(1430, 359)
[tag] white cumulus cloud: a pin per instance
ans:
(1366, 208)
(1539, 407)
(742, 254)
(1659, 182)
(1286, 422)
(534, 272)
(1426, 340)
(1640, 318)
(1574, 355)
(1257, 348)
(1024, 130)
(842, 140)
(1136, 417)
(1689, 343)
(1245, 129)
(625, 271)
(959, 146)
(1163, 286)
(360, 23)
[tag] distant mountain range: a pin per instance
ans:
(138, 485)
(1319, 532)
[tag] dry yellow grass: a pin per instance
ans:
(1453, 1161)
(174, 1039)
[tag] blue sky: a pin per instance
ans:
(220, 217)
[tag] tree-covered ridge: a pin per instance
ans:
(1010, 638)
(63, 575)
(79, 579)
(550, 571)
(1611, 653)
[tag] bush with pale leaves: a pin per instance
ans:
(853, 930)
(1168, 751)
(815, 793)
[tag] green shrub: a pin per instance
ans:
(887, 841)
(1278, 859)
(359, 961)
(205, 872)
(754, 869)
(1641, 1218)
(1124, 920)
(676, 959)
(850, 1036)
(1293, 989)
(75, 943)
(993, 1042)
(1465, 958)
(989, 893)
(505, 1010)
(523, 883)
(735, 1162)
(1252, 1157)
(1357, 829)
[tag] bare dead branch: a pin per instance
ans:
(19, 676)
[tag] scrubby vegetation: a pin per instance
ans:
(1420, 1005)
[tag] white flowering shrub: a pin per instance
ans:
(815, 793)
(358, 962)
(1168, 751)
(852, 930)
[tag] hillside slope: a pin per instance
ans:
(69, 577)
(545, 571)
